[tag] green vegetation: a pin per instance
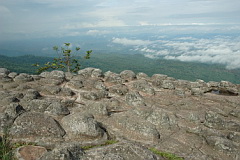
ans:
(6, 148)
(64, 62)
(135, 62)
(169, 156)
(108, 142)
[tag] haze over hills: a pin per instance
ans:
(210, 48)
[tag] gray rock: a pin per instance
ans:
(36, 77)
(69, 76)
(144, 86)
(31, 94)
(22, 78)
(69, 151)
(213, 84)
(222, 144)
(168, 84)
(135, 99)
(180, 92)
(94, 95)
(157, 79)
(75, 84)
(9, 86)
(5, 79)
(56, 108)
(213, 120)
(90, 72)
(12, 74)
(98, 109)
(134, 128)
(7, 118)
(53, 78)
(86, 72)
(128, 75)
(14, 110)
(48, 106)
(58, 75)
(142, 75)
(97, 73)
(7, 97)
(82, 126)
(4, 72)
(121, 151)
(66, 92)
(52, 89)
(29, 152)
(100, 85)
(36, 105)
(120, 89)
(34, 125)
(197, 91)
(234, 136)
(113, 77)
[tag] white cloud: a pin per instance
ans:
(97, 32)
(218, 50)
(136, 42)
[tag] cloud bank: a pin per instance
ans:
(217, 50)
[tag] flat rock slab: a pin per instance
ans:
(30, 124)
(30, 152)
(133, 128)
(121, 151)
(81, 126)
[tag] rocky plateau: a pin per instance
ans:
(58, 114)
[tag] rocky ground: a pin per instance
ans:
(62, 113)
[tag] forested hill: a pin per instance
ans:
(137, 63)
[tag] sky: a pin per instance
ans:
(33, 19)
(46, 18)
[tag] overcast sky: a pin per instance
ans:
(62, 17)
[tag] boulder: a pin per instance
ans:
(66, 151)
(36, 125)
(81, 126)
(94, 95)
(30, 152)
(142, 75)
(144, 86)
(22, 78)
(157, 79)
(90, 72)
(168, 84)
(133, 128)
(135, 99)
(121, 151)
(120, 89)
(128, 75)
(113, 77)
(4, 72)
(12, 74)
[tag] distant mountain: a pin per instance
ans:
(135, 62)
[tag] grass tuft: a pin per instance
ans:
(169, 156)
(6, 148)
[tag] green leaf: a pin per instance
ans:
(67, 44)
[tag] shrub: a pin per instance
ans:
(65, 61)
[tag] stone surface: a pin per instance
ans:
(30, 124)
(30, 152)
(81, 126)
(121, 151)
(69, 151)
(65, 112)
